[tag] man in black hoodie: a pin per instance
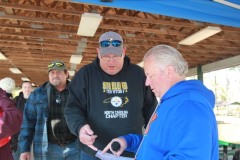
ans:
(108, 98)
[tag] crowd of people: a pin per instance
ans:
(111, 100)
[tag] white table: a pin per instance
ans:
(228, 131)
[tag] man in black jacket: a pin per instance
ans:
(20, 101)
(108, 98)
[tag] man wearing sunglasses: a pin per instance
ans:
(44, 123)
(108, 98)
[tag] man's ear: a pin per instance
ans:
(98, 51)
(67, 74)
(124, 50)
(170, 70)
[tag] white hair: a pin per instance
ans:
(165, 55)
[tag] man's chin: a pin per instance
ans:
(55, 84)
(112, 71)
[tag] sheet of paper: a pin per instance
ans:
(108, 156)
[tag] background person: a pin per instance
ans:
(108, 98)
(43, 120)
(183, 125)
(10, 118)
(20, 101)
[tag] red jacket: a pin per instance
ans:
(10, 118)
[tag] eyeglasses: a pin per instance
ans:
(114, 58)
(115, 43)
(58, 64)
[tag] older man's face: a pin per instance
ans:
(57, 77)
(157, 77)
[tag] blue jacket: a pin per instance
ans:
(34, 125)
(183, 126)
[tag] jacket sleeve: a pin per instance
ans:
(76, 106)
(133, 142)
(10, 118)
(150, 103)
(28, 124)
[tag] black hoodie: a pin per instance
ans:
(113, 105)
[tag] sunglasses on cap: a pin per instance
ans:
(58, 64)
(106, 43)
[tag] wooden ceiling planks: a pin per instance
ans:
(35, 32)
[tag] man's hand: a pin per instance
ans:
(25, 156)
(123, 146)
(87, 137)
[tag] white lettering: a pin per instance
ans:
(116, 114)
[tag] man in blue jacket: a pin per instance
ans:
(44, 123)
(183, 126)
